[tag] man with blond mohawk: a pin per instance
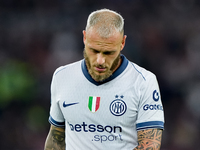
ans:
(105, 101)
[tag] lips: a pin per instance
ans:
(100, 69)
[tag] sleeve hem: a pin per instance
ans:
(56, 123)
(150, 125)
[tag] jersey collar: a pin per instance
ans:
(121, 68)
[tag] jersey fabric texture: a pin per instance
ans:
(105, 115)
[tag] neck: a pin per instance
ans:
(119, 63)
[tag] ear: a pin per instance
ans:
(123, 42)
(84, 36)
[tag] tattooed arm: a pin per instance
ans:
(55, 139)
(149, 139)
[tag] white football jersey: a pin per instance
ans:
(105, 115)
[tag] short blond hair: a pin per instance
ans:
(105, 22)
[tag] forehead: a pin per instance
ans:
(94, 40)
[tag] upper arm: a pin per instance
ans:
(150, 109)
(149, 139)
(55, 139)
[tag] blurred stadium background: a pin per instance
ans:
(38, 36)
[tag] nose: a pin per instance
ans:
(100, 59)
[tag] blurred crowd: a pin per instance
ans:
(38, 36)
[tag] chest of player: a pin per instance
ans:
(99, 105)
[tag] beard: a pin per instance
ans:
(107, 73)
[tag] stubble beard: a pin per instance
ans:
(107, 73)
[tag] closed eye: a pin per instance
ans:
(94, 50)
(105, 52)
(109, 52)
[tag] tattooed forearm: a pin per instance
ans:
(55, 139)
(149, 139)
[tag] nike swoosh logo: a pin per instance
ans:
(66, 105)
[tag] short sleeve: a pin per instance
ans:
(56, 117)
(150, 110)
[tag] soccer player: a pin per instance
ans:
(105, 101)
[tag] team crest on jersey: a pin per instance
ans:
(93, 103)
(118, 106)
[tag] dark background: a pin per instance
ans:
(37, 36)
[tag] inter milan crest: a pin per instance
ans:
(118, 106)
(93, 103)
